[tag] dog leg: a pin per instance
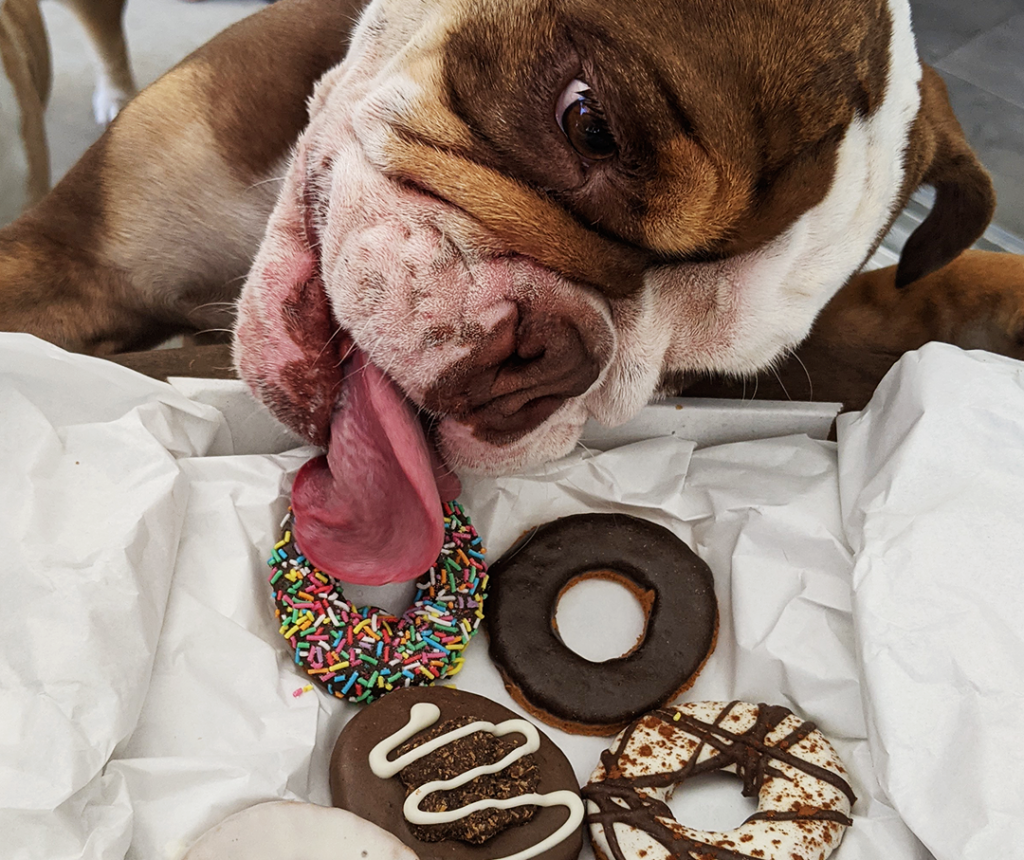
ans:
(103, 22)
(25, 77)
(975, 302)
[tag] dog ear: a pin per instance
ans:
(287, 346)
(939, 155)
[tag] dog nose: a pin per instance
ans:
(517, 376)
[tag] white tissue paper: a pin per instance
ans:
(932, 484)
(145, 692)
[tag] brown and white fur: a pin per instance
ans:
(25, 78)
(433, 216)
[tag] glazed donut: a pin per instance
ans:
(803, 796)
(556, 685)
(360, 653)
(457, 776)
(282, 830)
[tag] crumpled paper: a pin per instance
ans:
(145, 692)
(93, 498)
(932, 485)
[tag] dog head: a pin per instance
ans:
(511, 217)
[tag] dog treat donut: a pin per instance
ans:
(360, 653)
(803, 796)
(282, 830)
(673, 585)
(458, 776)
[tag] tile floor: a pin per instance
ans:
(977, 46)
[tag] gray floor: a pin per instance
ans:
(977, 46)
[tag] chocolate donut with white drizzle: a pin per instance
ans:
(384, 799)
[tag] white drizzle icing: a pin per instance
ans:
(421, 716)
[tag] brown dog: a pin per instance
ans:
(155, 228)
(152, 232)
(512, 216)
(25, 89)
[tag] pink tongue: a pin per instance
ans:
(370, 510)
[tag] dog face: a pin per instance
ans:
(528, 214)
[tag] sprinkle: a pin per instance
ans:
(378, 651)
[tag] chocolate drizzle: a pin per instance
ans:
(619, 801)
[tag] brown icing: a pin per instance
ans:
(356, 788)
(674, 586)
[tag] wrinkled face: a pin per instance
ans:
(528, 214)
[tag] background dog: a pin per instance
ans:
(25, 76)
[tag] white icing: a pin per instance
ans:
(423, 715)
(282, 830)
(655, 748)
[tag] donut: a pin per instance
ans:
(360, 653)
(804, 799)
(283, 830)
(556, 685)
(457, 776)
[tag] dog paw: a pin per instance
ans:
(107, 102)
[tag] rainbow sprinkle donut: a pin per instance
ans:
(361, 653)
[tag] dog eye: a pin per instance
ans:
(579, 115)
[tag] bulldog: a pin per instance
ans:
(497, 220)
(504, 219)
(25, 72)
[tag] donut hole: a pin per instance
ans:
(604, 601)
(712, 801)
(393, 597)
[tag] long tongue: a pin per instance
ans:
(370, 510)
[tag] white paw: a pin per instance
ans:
(107, 102)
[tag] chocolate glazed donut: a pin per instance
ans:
(673, 585)
(356, 787)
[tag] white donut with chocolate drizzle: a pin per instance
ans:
(804, 798)
(422, 715)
